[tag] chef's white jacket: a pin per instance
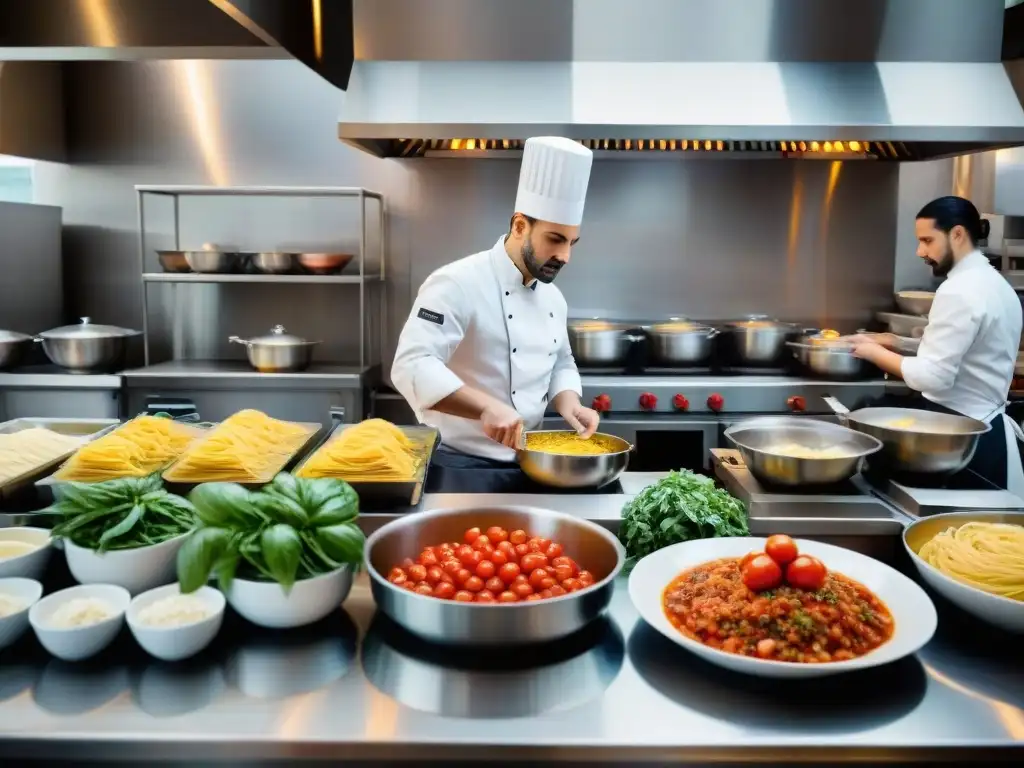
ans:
(969, 348)
(474, 323)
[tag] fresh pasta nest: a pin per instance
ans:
(986, 556)
(374, 450)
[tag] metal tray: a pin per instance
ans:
(383, 494)
(313, 431)
(90, 429)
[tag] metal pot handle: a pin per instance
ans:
(838, 408)
(237, 340)
(712, 332)
(634, 338)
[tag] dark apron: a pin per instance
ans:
(990, 457)
(455, 472)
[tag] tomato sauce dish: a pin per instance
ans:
(780, 607)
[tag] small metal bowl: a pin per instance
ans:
(213, 261)
(561, 470)
(274, 262)
(451, 622)
(173, 261)
(325, 263)
(915, 302)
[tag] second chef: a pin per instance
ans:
(485, 349)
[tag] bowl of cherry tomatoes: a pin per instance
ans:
(492, 576)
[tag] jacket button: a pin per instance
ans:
(513, 349)
(513, 391)
(506, 293)
(551, 314)
(510, 317)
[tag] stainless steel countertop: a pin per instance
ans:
(232, 374)
(52, 377)
(355, 688)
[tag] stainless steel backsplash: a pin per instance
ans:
(710, 239)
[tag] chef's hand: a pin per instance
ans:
(868, 350)
(502, 424)
(890, 340)
(584, 420)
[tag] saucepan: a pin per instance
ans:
(916, 441)
(277, 351)
(681, 342)
(827, 355)
(87, 348)
(601, 342)
(757, 341)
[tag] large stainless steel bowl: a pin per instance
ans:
(757, 341)
(562, 470)
(173, 261)
(447, 621)
(13, 348)
(915, 302)
(274, 262)
(758, 441)
(277, 351)
(87, 348)
(832, 360)
(920, 442)
(600, 342)
(210, 261)
(681, 342)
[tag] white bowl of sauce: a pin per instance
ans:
(24, 552)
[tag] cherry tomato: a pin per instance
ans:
(806, 573)
(538, 544)
(471, 559)
(533, 561)
(474, 584)
(463, 575)
(508, 548)
(522, 578)
(530, 598)
(463, 596)
(495, 585)
(586, 578)
(423, 588)
(554, 550)
(451, 567)
(781, 549)
(563, 560)
(518, 537)
(508, 572)
(522, 589)
(537, 577)
(572, 585)
(522, 550)
(508, 597)
(545, 594)
(445, 590)
(410, 585)
(399, 580)
(497, 557)
(428, 558)
(563, 572)
(395, 573)
(497, 534)
(417, 572)
(434, 575)
(484, 596)
(406, 563)
(747, 558)
(762, 573)
(557, 590)
(485, 569)
(548, 582)
(482, 544)
(471, 535)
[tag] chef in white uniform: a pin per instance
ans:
(965, 361)
(485, 351)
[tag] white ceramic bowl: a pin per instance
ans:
(77, 643)
(137, 570)
(32, 564)
(1002, 612)
(910, 605)
(25, 591)
(265, 603)
(176, 643)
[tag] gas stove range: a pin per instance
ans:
(676, 394)
(870, 498)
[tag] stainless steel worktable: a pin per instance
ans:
(355, 688)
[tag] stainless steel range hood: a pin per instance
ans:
(885, 79)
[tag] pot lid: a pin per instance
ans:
(278, 336)
(86, 329)
(9, 336)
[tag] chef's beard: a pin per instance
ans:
(942, 268)
(545, 272)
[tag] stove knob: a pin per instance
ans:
(648, 401)
(602, 404)
(681, 403)
(716, 402)
(797, 404)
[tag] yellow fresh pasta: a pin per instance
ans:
(24, 451)
(247, 447)
(372, 451)
(138, 448)
(987, 556)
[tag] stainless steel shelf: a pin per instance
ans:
(198, 277)
(187, 189)
(44, 378)
(237, 374)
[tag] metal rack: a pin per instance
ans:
(362, 278)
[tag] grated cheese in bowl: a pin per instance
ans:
(10, 605)
(81, 612)
(175, 611)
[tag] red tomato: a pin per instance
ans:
(522, 578)
(435, 575)
(557, 590)
(395, 573)
(586, 578)
(474, 584)
(554, 550)
(428, 558)
(399, 580)
(548, 582)
(533, 561)
(471, 535)
(530, 598)
(781, 549)
(423, 588)
(463, 575)
(518, 537)
(417, 572)
(762, 573)
(545, 594)
(563, 572)
(406, 563)
(410, 585)
(495, 585)
(508, 572)
(482, 544)
(508, 548)
(451, 567)
(522, 550)
(497, 557)
(522, 589)
(462, 596)
(747, 558)
(537, 577)
(563, 560)
(485, 569)
(572, 585)
(806, 573)
(508, 597)
(445, 590)
(484, 596)
(497, 534)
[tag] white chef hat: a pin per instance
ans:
(553, 180)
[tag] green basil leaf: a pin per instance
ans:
(198, 555)
(127, 523)
(226, 567)
(336, 502)
(281, 508)
(342, 543)
(282, 549)
(286, 485)
(326, 563)
(222, 504)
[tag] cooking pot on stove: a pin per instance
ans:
(87, 348)
(757, 341)
(601, 342)
(680, 342)
(13, 347)
(828, 355)
(277, 351)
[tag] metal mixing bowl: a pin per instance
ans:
(446, 621)
(274, 262)
(324, 263)
(756, 439)
(915, 302)
(173, 261)
(87, 348)
(277, 351)
(213, 261)
(561, 470)
(13, 348)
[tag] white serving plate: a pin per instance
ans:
(910, 606)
